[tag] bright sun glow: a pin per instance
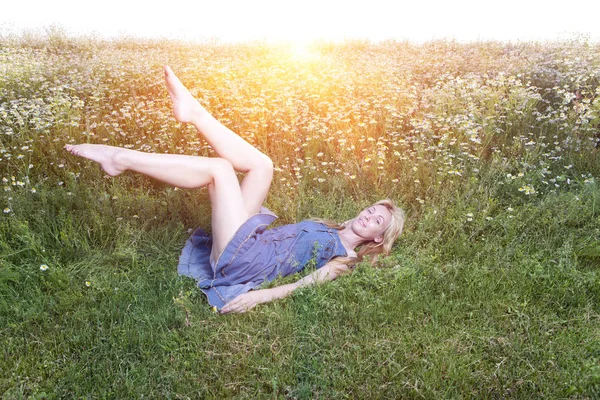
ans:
(302, 52)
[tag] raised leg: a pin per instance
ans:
(242, 155)
(228, 209)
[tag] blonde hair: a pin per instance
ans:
(372, 248)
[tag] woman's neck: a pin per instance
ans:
(349, 239)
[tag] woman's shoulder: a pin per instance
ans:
(321, 224)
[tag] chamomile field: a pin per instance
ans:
(492, 291)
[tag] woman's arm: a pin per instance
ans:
(246, 301)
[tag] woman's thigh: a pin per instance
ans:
(255, 188)
(227, 203)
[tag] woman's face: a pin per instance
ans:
(371, 223)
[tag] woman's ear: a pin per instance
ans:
(378, 239)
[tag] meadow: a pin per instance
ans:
(492, 291)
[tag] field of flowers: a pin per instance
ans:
(493, 291)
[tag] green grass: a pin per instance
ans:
(490, 292)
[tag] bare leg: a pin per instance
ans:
(182, 171)
(242, 155)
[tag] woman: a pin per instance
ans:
(240, 253)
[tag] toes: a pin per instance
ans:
(73, 149)
(169, 74)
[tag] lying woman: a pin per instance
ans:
(240, 253)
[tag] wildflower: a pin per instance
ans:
(367, 159)
(43, 267)
(510, 209)
(88, 283)
(520, 174)
(527, 189)
(395, 180)
(7, 210)
(488, 218)
(33, 190)
(214, 309)
(352, 176)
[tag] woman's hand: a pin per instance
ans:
(245, 302)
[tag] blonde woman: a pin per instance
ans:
(240, 253)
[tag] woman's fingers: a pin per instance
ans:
(239, 305)
(233, 309)
(232, 306)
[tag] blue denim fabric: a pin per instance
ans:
(256, 255)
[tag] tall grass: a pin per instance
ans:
(491, 292)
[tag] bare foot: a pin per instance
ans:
(104, 155)
(185, 106)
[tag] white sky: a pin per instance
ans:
(239, 20)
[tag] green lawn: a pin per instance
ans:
(493, 290)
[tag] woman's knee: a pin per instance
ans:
(265, 166)
(222, 169)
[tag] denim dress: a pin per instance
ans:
(255, 255)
